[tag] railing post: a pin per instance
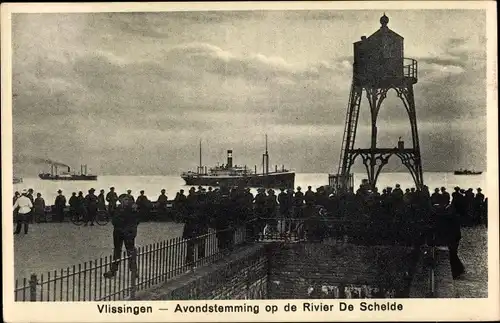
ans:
(133, 276)
(32, 283)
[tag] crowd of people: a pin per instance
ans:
(239, 203)
(224, 208)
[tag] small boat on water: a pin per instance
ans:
(67, 176)
(466, 172)
(17, 180)
(237, 175)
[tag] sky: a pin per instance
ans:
(134, 93)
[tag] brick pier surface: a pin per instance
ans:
(242, 274)
(285, 270)
(473, 251)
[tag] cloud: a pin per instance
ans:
(89, 87)
(254, 66)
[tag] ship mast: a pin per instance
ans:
(200, 167)
(265, 161)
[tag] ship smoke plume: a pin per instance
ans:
(39, 160)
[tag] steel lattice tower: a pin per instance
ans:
(379, 66)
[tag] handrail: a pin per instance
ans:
(410, 67)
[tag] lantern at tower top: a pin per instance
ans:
(384, 20)
(379, 60)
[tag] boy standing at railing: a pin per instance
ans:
(125, 222)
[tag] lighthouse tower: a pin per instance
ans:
(379, 66)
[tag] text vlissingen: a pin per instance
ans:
(124, 309)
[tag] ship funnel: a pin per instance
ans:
(69, 169)
(229, 158)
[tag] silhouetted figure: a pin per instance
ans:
(130, 196)
(60, 204)
(30, 195)
(16, 209)
(479, 205)
(309, 196)
(112, 199)
(298, 202)
(101, 201)
(81, 210)
(449, 230)
(16, 196)
(469, 206)
(446, 196)
(161, 204)
(143, 206)
(125, 222)
(407, 197)
(91, 207)
(190, 232)
(260, 209)
(39, 207)
(180, 206)
(436, 197)
(397, 193)
(283, 202)
(73, 205)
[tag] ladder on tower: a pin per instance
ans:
(351, 124)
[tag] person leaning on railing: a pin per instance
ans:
(125, 221)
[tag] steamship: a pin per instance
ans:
(67, 176)
(236, 175)
(466, 172)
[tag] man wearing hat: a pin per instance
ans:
(445, 196)
(39, 207)
(125, 222)
(101, 201)
(397, 193)
(130, 196)
(60, 204)
(436, 197)
(91, 207)
(24, 204)
(282, 200)
(161, 203)
(479, 205)
(180, 205)
(112, 198)
(143, 206)
(309, 196)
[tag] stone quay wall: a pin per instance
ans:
(310, 270)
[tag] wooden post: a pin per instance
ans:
(33, 282)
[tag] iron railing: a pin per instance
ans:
(156, 263)
(362, 232)
(410, 68)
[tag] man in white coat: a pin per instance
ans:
(23, 214)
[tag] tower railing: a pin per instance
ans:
(410, 68)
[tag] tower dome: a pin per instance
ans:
(384, 20)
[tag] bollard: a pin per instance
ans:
(32, 283)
